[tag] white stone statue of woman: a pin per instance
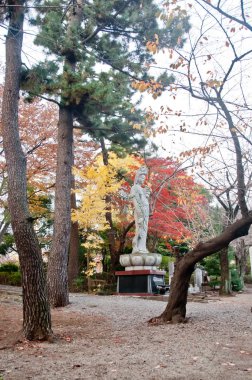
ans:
(140, 196)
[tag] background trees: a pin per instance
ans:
(178, 204)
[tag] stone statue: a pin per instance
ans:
(140, 196)
(140, 258)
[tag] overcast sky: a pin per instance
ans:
(172, 142)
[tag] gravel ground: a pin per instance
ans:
(108, 337)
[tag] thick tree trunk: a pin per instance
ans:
(175, 311)
(58, 259)
(36, 311)
(176, 308)
(225, 286)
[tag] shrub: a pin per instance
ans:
(10, 278)
(15, 279)
(106, 290)
(236, 282)
(212, 265)
(9, 267)
(79, 284)
(214, 282)
(107, 276)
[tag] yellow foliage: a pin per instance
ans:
(38, 203)
(90, 271)
(98, 181)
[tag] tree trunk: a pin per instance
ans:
(58, 259)
(241, 257)
(175, 311)
(36, 311)
(225, 286)
(176, 308)
(114, 254)
(73, 261)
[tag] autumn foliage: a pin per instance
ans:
(177, 202)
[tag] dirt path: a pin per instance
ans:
(107, 337)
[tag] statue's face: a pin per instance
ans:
(141, 179)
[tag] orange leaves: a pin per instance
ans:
(152, 46)
(152, 87)
(203, 150)
(214, 83)
(174, 201)
(180, 62)
(140, 85)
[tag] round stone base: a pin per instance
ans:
(141, 260)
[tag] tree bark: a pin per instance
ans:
(58, 259)
(176, 308)
(225, 286)
(241, 256)
(36, 311)
(114, 254)
(73, 260)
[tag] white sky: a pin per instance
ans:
(173, 142)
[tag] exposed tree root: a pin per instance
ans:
(18, 338)
(162, 321)
(157, 321)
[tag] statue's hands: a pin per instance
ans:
(140, 222)
(147, 191)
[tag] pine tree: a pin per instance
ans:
(36, 311)
(93, 51)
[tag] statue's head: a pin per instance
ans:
(141, 174)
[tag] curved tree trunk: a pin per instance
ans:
(36, 311)
(58, 259)
(176, 308)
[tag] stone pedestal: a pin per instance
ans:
(141, 275)
(139, 282)
(141, 261)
